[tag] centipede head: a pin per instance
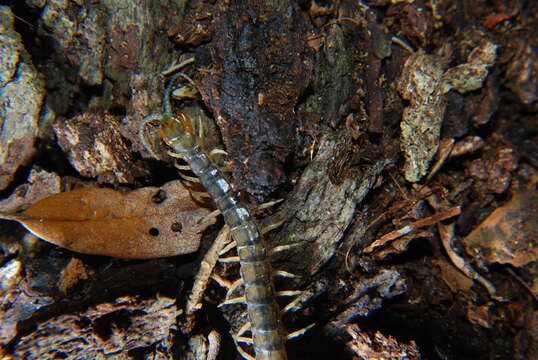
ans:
(178, 132)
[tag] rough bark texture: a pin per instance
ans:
(256, 67)
(21, 99)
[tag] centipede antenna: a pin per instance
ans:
(167, 104)
(236, 300)
(285, 274)
(300, 332)
(229, 259)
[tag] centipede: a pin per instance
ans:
(268, 334)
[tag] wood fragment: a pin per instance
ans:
(445, 149)
(74, 335)
(206, 269)
(508, 235)
(71, 274)
(408, 229)
(214, 345)
(446, 232)
(379, 347)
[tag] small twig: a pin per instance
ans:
(523, 283)
(206, 268)
(178, 66)
(447, 234)
(445, 148)
(214, 345)
(397, 40)
(414, 226)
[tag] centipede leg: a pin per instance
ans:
(236, 300)
(236, 284)
(300, 332)
(189, 178)
(215, 152)
(280, 248)
(271, 227)
(229, 259)
(285, 274)
(243, 339)
(289, 293)
(228, 247)
(211, 215)
(182, 167)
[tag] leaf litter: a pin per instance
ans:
(146, 223)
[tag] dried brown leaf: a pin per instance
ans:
(508, 235)
(146, 223)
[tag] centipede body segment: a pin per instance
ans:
(268, 335)
(264, 314)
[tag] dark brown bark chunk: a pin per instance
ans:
(256, 68)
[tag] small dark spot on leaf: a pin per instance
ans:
(176, 227)
(159, 197)
(154, 231)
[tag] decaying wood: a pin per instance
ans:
(317, 213)
(257, 66)
(380, 347)
(146, 223)
(106, 331)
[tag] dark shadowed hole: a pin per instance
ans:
(176, 227)
(159, 197)
(154, 231)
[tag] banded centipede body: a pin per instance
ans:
(268, 334)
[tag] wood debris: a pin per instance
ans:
(509, 235)
(108, 330)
